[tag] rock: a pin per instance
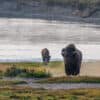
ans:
(85, 13)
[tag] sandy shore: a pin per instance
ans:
(90, 68)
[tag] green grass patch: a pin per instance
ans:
(71, 80)
(1, 74)
(26, 72)
(27, 93)
(55, 64)
(31, 64)
(10, 82)
(12, 69)
(25, 64)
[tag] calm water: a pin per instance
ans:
(23, 39)
(33, 52)
(31, 31)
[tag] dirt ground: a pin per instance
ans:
(4, 66)
(87, 69)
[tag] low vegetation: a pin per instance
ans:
(26, 72)
(55, 64)
(27, 93)
(11, 82)
(31, 64)
(38, 70)
(14, 90)
(1, 74)
(71, 80)
(37, 66)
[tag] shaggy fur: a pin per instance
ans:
(45, 56)
(72, 59)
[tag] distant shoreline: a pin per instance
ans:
(40, 60)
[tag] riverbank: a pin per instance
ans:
(56, 68)
(59, 10)
(17, 88)
(20, 93)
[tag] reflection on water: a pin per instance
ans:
(33, 52)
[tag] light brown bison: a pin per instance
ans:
(72, 59)
(45, 56)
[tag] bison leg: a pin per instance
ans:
(76, 70)
(67, 69)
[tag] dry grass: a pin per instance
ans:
(27, 93)
(56, 68)
(70, 79)
(91, 69)
(4, 66)
(10, 82)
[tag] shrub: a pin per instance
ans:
(14, 71)
(35, 74)
(41, 74)
(22, 72)
(1, 74)
(27, 75)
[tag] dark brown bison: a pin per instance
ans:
(45, 56)
(72, 59)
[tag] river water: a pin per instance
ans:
(23, 39)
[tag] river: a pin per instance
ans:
(23, 39)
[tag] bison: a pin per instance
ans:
(45, 56)
(72, 59)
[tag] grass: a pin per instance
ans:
(71, 80)
(36, 64)
(9, 90)
(54, 68)
(10, 82)
(32, 65)
(55, 64)
(26, 72)
(21, 64)
(4, 66)
(1, 74)
(27, 93)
